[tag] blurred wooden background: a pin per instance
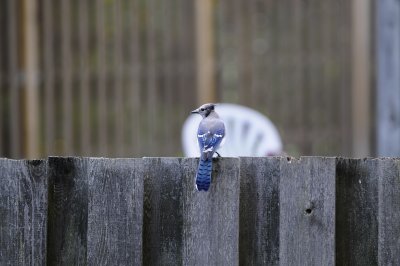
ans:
(117, 78)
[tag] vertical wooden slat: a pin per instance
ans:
(245, 68)
(357, 212)
(49, 88)
(134, 76)
(388, 92)
(167, 73)
(23, 205)
(30, 54)
(3, 83)
(186, 64)
(101, 80)
(297, 81)
(317, 112)
(66, 57)
(118, 66)
(361, 107)
(85, 101)
(307, 211)
(205, 51)
(13, 73)
(389, 212)
(181, 112)
(343, 50)
(115, 212)
(279, 45)
(183, 226)
(253, 29)
(151, 108)
(311, 89)
(259, 211)
(328, 41)
(67, 211)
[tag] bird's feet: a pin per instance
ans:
(219, 155)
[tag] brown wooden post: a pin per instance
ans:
(29, 62)
(205, 51)
(361, 81)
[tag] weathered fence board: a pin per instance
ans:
(115, 212)
(186, 227)
(259, 211)
(389, 212)
(68, 211)
(307, 211)
(23, 212)
(357, 212)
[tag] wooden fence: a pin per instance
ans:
(259, 211)
(117, 78)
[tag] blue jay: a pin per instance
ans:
(210, 135)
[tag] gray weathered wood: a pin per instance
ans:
(388, 90)
(115, 212)
(67, 211)
(259, 211)
(389, 212)
(357, 212)
(23, 212)
(307, 211)
(183, 226)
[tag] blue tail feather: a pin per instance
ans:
(203, 177)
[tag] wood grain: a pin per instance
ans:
(67, 211)
(115, 212)
(23, 212)
(357, 212)
(307, 211)
(259, 211)
(183, 226)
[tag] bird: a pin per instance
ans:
(210, 136)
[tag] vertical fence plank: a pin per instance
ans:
(67, 211)
(151, 78)
(115, 212)
(101, 79)
(167, 74)
(259, 211)
(162, 232)
(388, 72)
(134, 77)
(23, 210)
(357, 208)
(307, 211)
(66, 77)
(183, 226)
(14, 110)
(361, 77)
(118, 70)
(47, 53)
(85, 101)
(211, 219)
(2, 81)
(205, 57)
(29, 64)
(389, 212)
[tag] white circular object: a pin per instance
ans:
(247, 133)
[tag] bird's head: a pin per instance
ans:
(205, 109)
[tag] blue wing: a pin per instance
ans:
(209, 141)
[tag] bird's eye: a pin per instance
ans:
(202, 109)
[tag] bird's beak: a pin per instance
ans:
(195, 111)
